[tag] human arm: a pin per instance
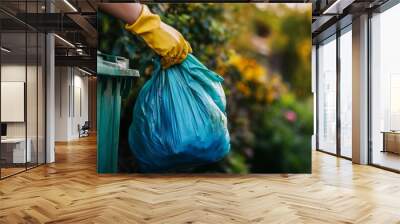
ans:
(162, 38)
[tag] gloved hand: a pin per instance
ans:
(162, 38)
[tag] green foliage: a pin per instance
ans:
(202, 25)
(283, 143)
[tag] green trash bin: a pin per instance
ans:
(113, 76)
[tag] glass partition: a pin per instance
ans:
(22, 88)
(327, 95)
(13, 105)
(385, 89)
(346, 92)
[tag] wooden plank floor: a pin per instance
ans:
(70, 191)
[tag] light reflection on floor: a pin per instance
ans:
(386, 159)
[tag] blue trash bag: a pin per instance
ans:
(179, 120)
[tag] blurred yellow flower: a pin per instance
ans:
(243, 88)
(249, 68)
(304, 50)
(265, 87)
(221, 67)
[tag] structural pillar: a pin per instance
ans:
(50, 92)
(360, 89)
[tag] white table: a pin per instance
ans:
(18, 149)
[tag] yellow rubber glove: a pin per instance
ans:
(162, 38)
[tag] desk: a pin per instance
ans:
(391, 141)
(13, 150)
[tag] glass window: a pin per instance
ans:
(385, 89)
(346, 92)
(327, 95)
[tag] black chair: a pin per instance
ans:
(84, 130)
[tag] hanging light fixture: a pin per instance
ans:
(5, 50)
(64, 40)
(70, 5)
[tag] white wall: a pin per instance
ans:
(62, 82)
(9, 73)
(33, 127)
(80, 110)
(12, 73)
(71, 94)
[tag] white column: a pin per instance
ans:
(50, 98)
(360, 90)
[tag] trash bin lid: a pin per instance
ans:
(111, 65)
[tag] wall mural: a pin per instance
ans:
(204, 88)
